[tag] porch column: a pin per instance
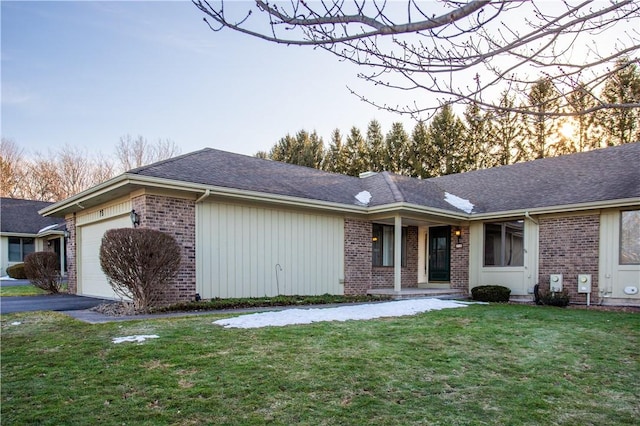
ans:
(397, 254)
(63, 250)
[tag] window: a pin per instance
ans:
(504, 243)
(20, 247)
(382, 245)
(630, 237)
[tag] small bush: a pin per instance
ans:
(555, 299)
(42, 268)
(17, 271)
(491, 293)
(140, 264)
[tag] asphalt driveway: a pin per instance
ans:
(52, 302)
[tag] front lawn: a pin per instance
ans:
(496, 364)
(21, 290)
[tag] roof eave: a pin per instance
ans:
(564, 208)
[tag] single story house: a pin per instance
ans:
(23, 230)
(250, 227)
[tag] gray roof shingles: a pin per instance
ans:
(599, 175)
(22, 217)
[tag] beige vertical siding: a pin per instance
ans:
(613, 277)
(239, 248)
(520, 279)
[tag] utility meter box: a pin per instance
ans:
(555, 283)
(584, 283)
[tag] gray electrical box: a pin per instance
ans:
(555, 283)
(584, 283)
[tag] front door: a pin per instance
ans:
(439, 253)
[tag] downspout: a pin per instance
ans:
(206, 194)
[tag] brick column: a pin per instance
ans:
(459, 278)
(176, 217)
(357, 256)
(72, 263)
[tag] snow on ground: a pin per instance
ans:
(7, 278)
(138, 338)
(459, 203)
(341, 313)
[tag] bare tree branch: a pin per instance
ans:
(454, 51)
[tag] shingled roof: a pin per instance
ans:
(228, 170)
(22, 217)
(599, 175)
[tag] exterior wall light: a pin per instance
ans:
(135, 218)
(458, 233)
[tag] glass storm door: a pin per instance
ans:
(439, 253)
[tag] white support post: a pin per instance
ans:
(397, 255)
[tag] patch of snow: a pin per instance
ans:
(138, 338)
(48, 228)
(341, 313)
(459, 203)
(7, 278)
(16, 323)
(363, 198)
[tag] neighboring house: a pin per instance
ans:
(23, 230)
(250, 227)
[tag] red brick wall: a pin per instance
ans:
(570, 246)
(357, 256)
(383, 276)
(72, 269)
(176, 217)
(460, 260)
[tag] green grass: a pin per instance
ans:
(496, 364)
(21, 290)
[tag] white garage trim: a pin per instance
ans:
(91, 279)
(247, 251)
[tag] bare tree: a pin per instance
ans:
(11, 169)
(457, 51)
(132, 153)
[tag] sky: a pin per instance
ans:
(84, 74)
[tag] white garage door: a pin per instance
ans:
(91, 279)
(247, 251)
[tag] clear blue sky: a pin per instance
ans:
(86, 73)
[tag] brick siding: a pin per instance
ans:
(72, 270)
(357, 256)
(460, 260)
(570, 246)
(176, 217)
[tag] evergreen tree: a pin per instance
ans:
(586, 135)
(623, 87)
(478, 135)
(336, 159)
(419, 148)
(542, 129)
(447, 153)
(397, 150)
(304, 150)
(375, 146)
(356, 152)
(507, 134)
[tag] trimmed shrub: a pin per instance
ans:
(139, 264)
(555, 299)
(17, 271)
(42, 268)
(491, 293)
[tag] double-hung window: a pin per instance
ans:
(20, 247)
(504, 243)
(383, 245)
